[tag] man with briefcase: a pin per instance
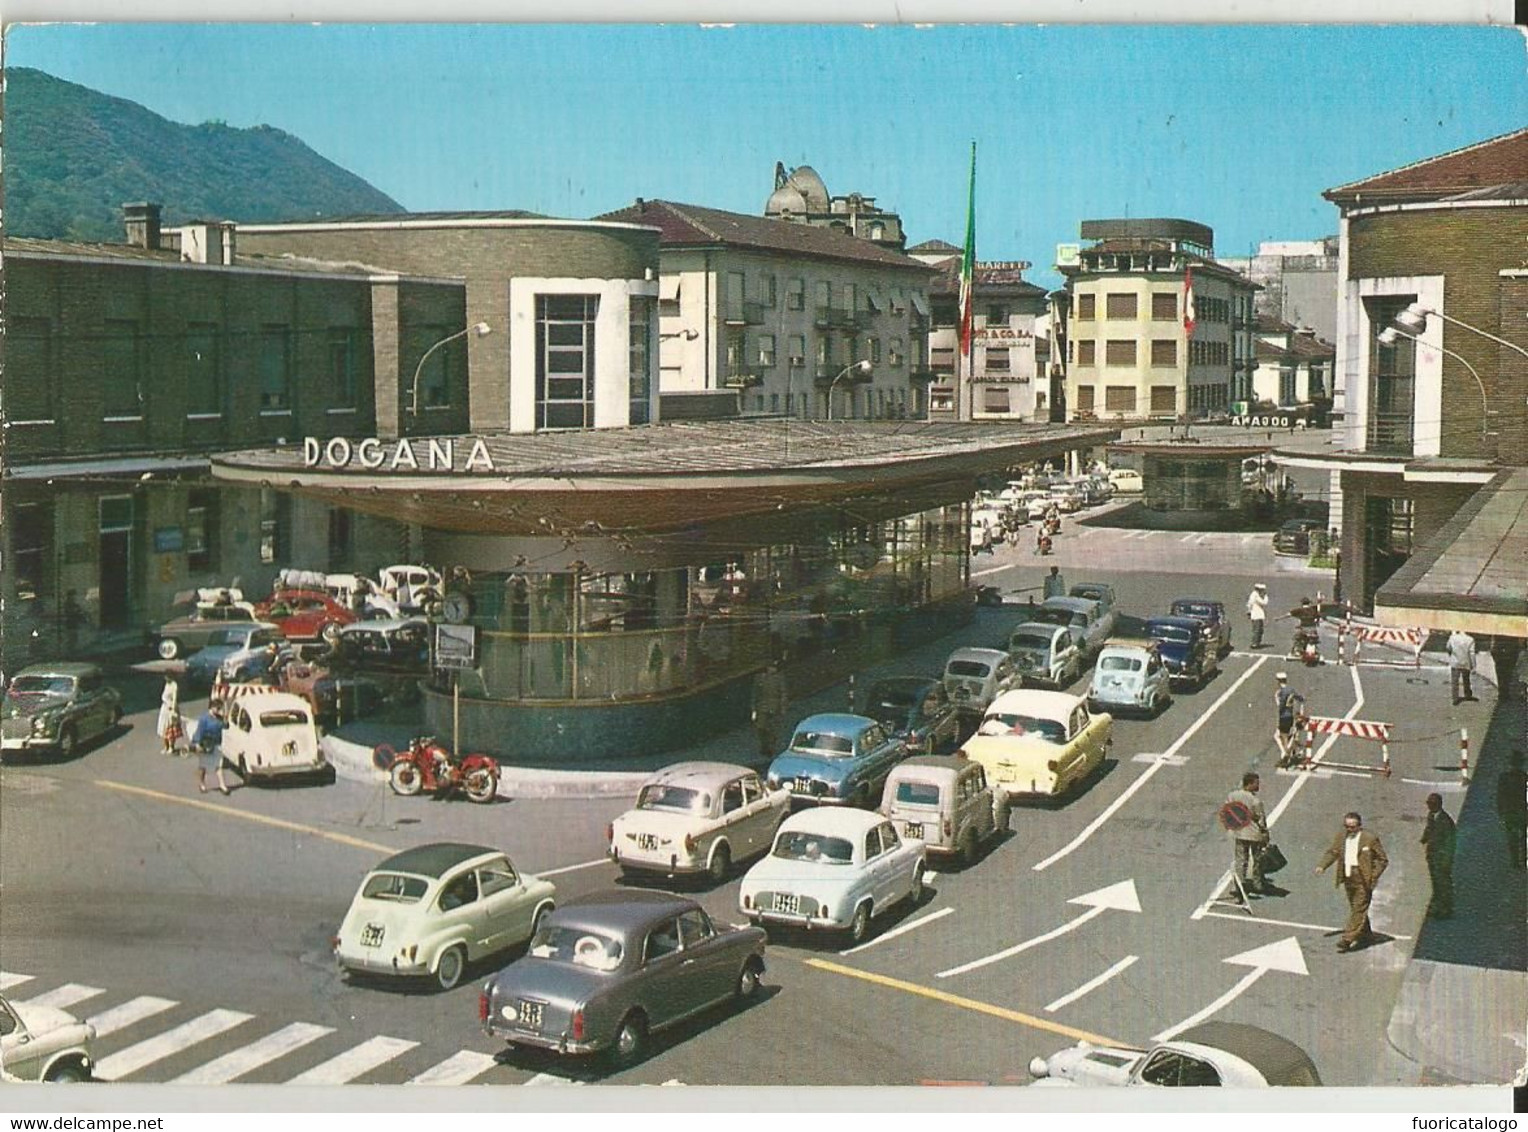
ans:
(1247, 822)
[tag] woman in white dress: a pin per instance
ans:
(169, 726)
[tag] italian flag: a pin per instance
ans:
(968, 264)
(1188, 301)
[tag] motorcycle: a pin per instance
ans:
(1306, 647)
(1043, 545)
(427, 765)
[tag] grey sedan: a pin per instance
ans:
(607, 970)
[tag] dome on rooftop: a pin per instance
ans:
(787, 198)
(805, 179)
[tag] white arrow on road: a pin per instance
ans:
(1121, 896)
(1285, 955)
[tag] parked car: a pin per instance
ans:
(424, 584)
(607, 970)
(837, 759)
(400, 646)
(306, 615)
(973, 677)
(272, 734)
(1127, 481)
(1229, 1054)
(945, 802)
(57, 707)
(333, 696)
(1045, 654)
(1293, 536)
(1067, 499)
(1044, 743)
(697, 817)
(1088, 623)
(432, 909)
(44, 1043)
(255, 662)
(1186, 650)
(833, 870)
(1036, 504)
(916, 710)
(245, 640)
(195, 627)
(1130, 676)
(1103, 594)
(1217, 623)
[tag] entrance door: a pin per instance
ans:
(116, 559)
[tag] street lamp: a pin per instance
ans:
(687, 335)
(481, 329)
(862, 366)
(1412, 321)
(1388, 336)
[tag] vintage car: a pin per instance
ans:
(917, 710)
(1043, 743)
(1130, 676)
(257, 661)
(1045, 654)
(398, 646)
(243, 640)
(417, 584)
(1103, 594)
(432, 909)
(56, 707)
(334, 697)
(697, 817)
(833, 870)
(837, 759)
(306, 615)
(189, 631)
(1229, 1054)
(44, 1043)
(271, 734)
(974, 677)
(945, 802)
(1217, 624)
(1127, 481)
(1293, 536)
(605, 971)
(1089, 624)
(1189, 654)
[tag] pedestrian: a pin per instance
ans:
(1438, 848)
(986, 546)
(208, 739)
(1361, 862)
(771, 703)
(1257, 612)
(1288, 705)
(1247, 822)
(1461, 662)
(1055, 584)
(1512, 807)
(169, 727)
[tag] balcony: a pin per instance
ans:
(824, 376)
(747, 313)
(837, 317)
(1389, 434)
(743, 378)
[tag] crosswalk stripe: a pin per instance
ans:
(457, 1069)
(164, 1045)
(121, 1017)
(9, 979)
(551, 1079)
(62, 998)
(241, 1061)
(354, 1062)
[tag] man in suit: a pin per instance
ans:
(1438, 848)
(1360, 861)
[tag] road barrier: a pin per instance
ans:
(1368, 729)
(1464, 755)
(1381, 635)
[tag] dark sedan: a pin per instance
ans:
(1185, 649)
(1217, 625)
(605, 971)
(1294, 536)
(916, 710)
(55, 707)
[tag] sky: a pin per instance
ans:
(1238, 127)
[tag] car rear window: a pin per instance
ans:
(1193, 609)
(579, 946)
(41, 686)
(918, 793)
(284, 718)
(969, 668)
(798, 845)
(1171, 633)
(681, 799)
(1120, 664)
(394, 886)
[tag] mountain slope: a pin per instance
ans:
(74, 155)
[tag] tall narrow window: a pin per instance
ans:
(435, 375)
(766, 353)
(342, 363)
(565, 360)
(640, 359)
(202, 525)
(275, 369)
(29, 366)
(795, 294)
(767, 291)
(204, 370)
(340, 537)
(737, 293)
(31, 549)
(275, 525)
(122, 370)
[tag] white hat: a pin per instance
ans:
(1260, 585)
(1281, 677)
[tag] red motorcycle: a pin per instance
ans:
(427, 765)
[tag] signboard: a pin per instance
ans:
(455, 646)
(1068, 255)
(169, 540)
(1001, 334)
(1269, 420)
(1003, 265)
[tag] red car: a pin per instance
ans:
(305, 615)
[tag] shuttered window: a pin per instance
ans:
(1164, 307)
(1085, 306)
(1164, 352)
(1085, 352)
(1120, 306)
(1120, 352)
(1119, 398)
(1085, 398)
(1164, 398)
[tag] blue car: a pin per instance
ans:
(250, 637)
(1213, 614)
(836, 759)
(1186, 650)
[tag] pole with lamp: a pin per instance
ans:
(862, 367)
(1412, 321)
(1389, 336)
(479, 329)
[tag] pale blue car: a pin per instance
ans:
(1130, 677)
(837, 759)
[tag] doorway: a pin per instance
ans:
(116, 561)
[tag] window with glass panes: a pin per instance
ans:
(766, 353)
(640, 359)
(435, 373)
(202, 530)
(29, 363)
(795, 294)
(122, 370)
(342, 363)
(31, 549)
(275, 369)
(204, 369)
(565, 360)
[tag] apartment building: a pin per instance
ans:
(1298, 280)
(801, 197)
(1294, 366)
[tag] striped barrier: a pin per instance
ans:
(1368, 729)
(1387, 635)
(1464, 755)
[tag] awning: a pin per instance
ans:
(668, 288)
(920, 304)
(92, 469)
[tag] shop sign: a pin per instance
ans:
(455, 645)
(1268, 420)
(169, 540)
(467, 454)
(1003, 334)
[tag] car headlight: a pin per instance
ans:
(1039, 1067)
(41, 724)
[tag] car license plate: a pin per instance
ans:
(371, 935)
(647, 841)
(530, 1014)
(914, 829)
(802, 785)
(787, 902)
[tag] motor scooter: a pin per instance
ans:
(1306, 646)
(427, 765)
(1043, 545)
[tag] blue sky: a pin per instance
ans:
(1237, 127)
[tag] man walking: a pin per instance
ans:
(771, 703)
(1247, 822)
(1461, 662)
(1288, 705)
(1512, 807)
(1055, 584)
(1257, 612)
(1361, 862)
(1438, 848)
(208, 739)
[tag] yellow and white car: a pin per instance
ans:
(271, 735)
(1041, 743)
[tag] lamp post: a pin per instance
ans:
(1412, 322)
(1388, 336)
(862, 366)
(481, 329)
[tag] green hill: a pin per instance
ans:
(74, 155)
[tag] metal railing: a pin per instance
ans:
(1390, 433)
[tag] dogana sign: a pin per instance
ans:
(449, 454)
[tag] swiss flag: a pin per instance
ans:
(1188, 302)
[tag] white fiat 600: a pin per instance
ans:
(833, 869)
(272, 734)
(44, 1043)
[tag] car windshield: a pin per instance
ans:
(679, 799)
(394, 886)
(1011, 723)
(797, 845)
(918, 793)
(578, 946)
(41, 686)
(969, 668)
(1089, 593)
(823, 742)
(285, 718)
(228, 637)
(1194, 609)
(1052, 617)
(1172, 633)
(1120, 664)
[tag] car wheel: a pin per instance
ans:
(721, 864)
(1002, 816)
(168, 648)
(243, 769)
(69, 1073)
(329, 632)
(968, 848)
(66, 743)
(449, 967)
(405, 778)
(630, 1040)
(859, 927)
(116, 719)
(916, 892)
(748, 980)
(540, 918)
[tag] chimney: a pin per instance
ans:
(208, 241)
(141, 219)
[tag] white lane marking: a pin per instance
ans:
(1187, 538)
(1453, 787)
(164, 1045)
(354, 1062)
(457, 1069)
(1243, 918)
(1284, 955)
(989, 570)
(899, 930)
(1092, 984)
(9, 979)
(1125, 795)
(62, 998)
(134, 1010)
(553, 1080)
(1122, 897)
(1170, 760)
(572, 868)
(241, 1061)
(1323, 772)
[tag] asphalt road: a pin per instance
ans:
(197, 927)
